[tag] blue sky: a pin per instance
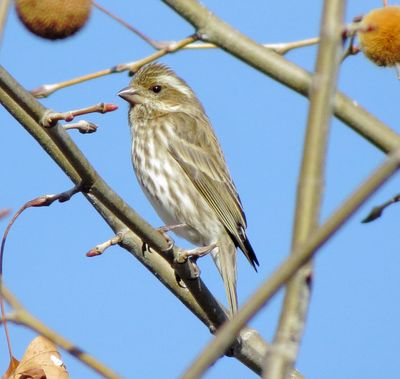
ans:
(111, 306)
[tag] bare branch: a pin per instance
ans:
(284, 350)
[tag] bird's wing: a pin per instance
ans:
(196, 150)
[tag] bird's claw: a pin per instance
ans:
(183, 255)
(199, 252)
(167, 228)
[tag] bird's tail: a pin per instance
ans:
(225, 259)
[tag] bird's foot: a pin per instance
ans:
(200, 251)
(167, 228)
(189, 257)
(195, 253)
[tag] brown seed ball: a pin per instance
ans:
(53, 19)
(380, 41)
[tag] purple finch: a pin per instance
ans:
(181, 168)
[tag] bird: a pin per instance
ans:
(181, 168)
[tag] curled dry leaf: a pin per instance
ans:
(41, 360)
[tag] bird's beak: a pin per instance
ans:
(130, 95)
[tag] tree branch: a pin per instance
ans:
(283, 352)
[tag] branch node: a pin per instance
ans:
(201, 35)
(66, 195)
(44, 90)
(49, 119)
(47, 200)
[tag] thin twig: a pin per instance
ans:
(47, 89)
(172, 48)
(141, 35)
(351, 48)
(280, 48)
(350, 33)
(285, 47)
(284, 350)
(51, 118)
(302, 254)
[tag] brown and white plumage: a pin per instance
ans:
(182, 170)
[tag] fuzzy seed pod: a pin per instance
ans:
(53, 19)
(380, 36)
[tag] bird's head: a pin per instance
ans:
(159, 89)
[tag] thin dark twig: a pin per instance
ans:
(121, 21)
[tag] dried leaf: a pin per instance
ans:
(40, 361)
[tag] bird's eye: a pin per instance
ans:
(156, 89)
